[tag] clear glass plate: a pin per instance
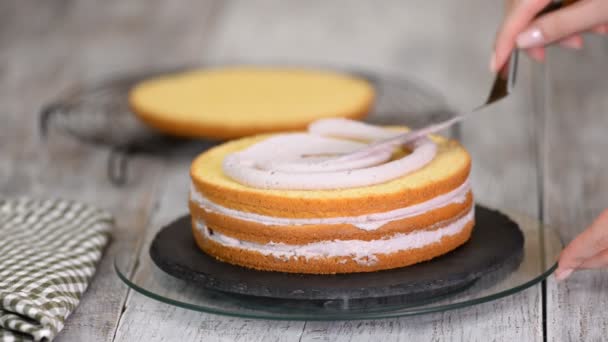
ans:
(542, 246)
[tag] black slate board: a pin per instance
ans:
(496, 241)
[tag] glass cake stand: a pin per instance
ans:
(542, 246)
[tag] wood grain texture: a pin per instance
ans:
(61, 167)
(46, 48)
(575, 182)
(436, 42)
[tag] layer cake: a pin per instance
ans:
(295, 202)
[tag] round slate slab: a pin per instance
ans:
(496, 241)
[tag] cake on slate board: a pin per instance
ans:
(293, 202)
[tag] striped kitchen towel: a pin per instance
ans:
(48, 253)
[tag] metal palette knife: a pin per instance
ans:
(502, 86)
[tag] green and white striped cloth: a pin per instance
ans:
(49, 250)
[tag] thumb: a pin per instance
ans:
(578, 17)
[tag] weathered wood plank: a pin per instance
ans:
(441, 43)
(575, 182)
(51, 46)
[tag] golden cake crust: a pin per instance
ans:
(448, 170)
(330, 265)
(299, 235)
(204, 103)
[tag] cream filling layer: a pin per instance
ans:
(365, 222)
(323, 158)
(362, 252)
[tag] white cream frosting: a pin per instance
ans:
(365, 222)
(321, 158)
(363, 252)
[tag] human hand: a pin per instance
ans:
(564, 26)
(588, 250)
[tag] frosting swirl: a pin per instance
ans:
(312, 160)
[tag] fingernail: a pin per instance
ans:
(493, 62)
(530, 38)
(561, 275)
(572, 44)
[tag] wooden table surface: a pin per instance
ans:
(542, 152)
